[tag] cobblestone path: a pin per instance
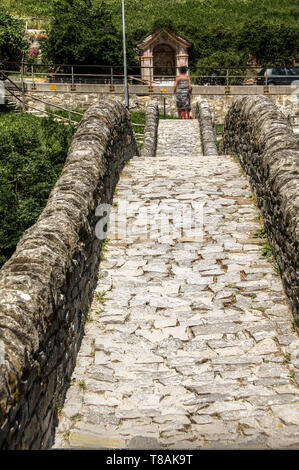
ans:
(190, 343)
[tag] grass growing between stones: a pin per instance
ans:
(138, 117)
(287, 358)
(219, 132)
(89, 316)
(100, 296)
(233, 286)
(82, 385)
(266, 248)
(261, 233)
(103, 249)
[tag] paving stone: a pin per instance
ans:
(233, 351)
(179, 332)
(221, 407)
(84, 440)
(265, 346)
(101, 358)
(209, 429)
(272, 370)
(140, 442)
(263, 331)
(155, 336)
(237, 360)
(163, 323)
(95, 415)
(97, 386)
(204, 388)
(224, 328)
(100, 399)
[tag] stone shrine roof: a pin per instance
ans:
(153, 37)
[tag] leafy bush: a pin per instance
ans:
(33, 151)
(12, 41)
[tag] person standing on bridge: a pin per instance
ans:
(182, 90)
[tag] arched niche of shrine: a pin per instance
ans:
(164, 59)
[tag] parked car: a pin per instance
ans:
(277, 76)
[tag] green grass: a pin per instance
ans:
(82, 385)
(100, 296)
(89, 315)
(168, 116)
(60, 112)
(138, 117)
(233, 286)
(219, 129)
(265, 244)
(103, 249)
(287, 358)
(261, 233)
(266, 248)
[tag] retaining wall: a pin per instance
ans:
(261, 136)
(47, 285)
(220, 98)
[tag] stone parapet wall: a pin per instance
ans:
(261, 136)
(207, 132)
(219, 97)
(220, 104)
(47, 285)
(150, 138)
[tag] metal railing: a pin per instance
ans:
(113, 74)
(20, 74)
(20, 95)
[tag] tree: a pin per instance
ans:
(12, 40)
(271, 42)
(82, 32)
(33, 152)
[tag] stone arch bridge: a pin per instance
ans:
(174, 331)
